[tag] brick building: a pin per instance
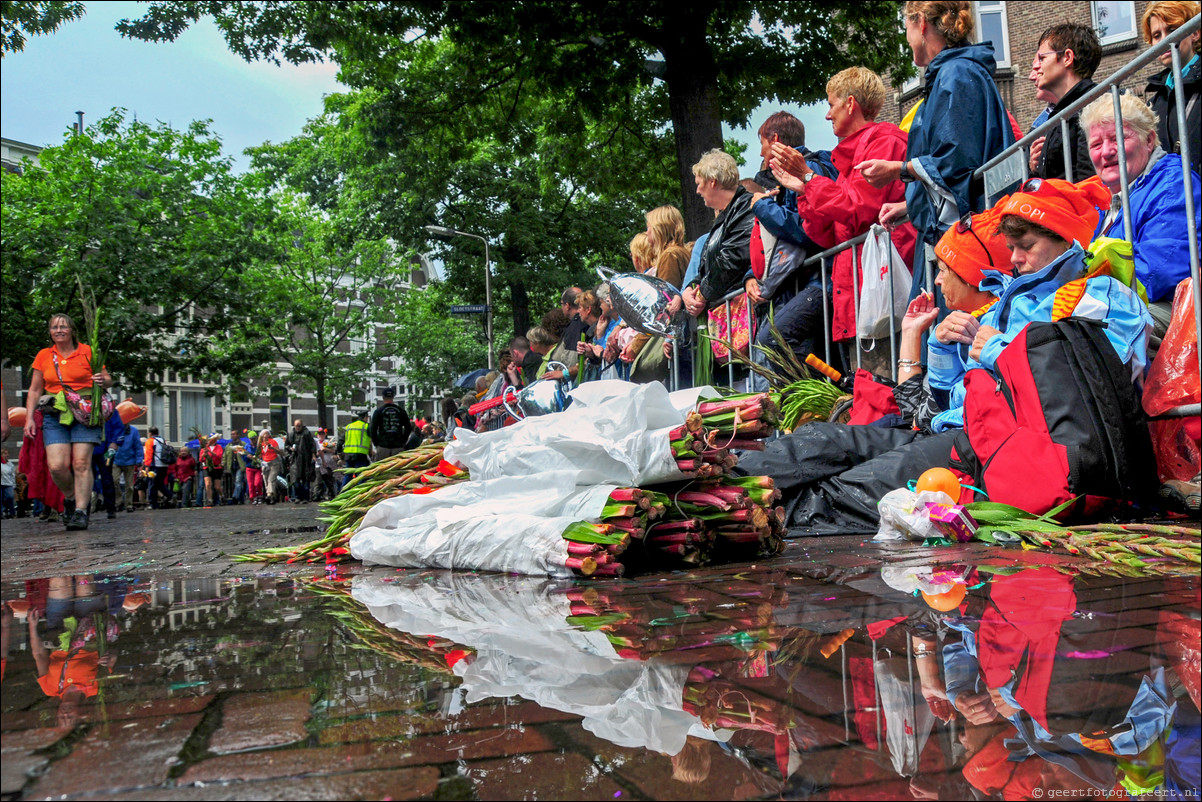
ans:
(1014, 28)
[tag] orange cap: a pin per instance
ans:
(1071, 210)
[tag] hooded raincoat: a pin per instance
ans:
(961, 125)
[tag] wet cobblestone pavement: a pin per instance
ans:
(142, 663)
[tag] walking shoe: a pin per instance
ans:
(1182, 496)
(77, 521)
(110, 515)
(68, 509)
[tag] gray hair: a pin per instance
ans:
(1137, 116)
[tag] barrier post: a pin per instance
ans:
(1125, 188)
(1067, 150)
(855, 300)
(826, 311)
(1191, 224)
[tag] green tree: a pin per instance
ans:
(318, 301)
(435, 347)
(150, 220)
(649, 63)
(376, 164)
(20, 20)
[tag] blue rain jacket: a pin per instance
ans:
(961, 125)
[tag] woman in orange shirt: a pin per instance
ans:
(68, 448)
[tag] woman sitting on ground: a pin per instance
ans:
(833, 475)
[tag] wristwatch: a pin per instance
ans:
(808, 176)
(906, 176)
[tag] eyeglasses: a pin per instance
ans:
(1041, 57)
(965, 227)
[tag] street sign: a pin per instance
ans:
(471, 309)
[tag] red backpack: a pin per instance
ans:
(1061, 419)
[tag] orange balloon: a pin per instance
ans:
(939, 479)
(948, 600)
(16, 417)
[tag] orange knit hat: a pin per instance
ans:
(973, 246)
(1071, 210)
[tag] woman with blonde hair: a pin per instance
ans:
(665, 236)
(640, 253)
(1160, 20)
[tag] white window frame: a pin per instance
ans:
(1124, 36)
(994, 7)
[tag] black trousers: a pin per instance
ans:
(831, 475)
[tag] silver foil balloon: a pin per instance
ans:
(642, 302)
(540, 397)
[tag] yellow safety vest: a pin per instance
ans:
(357, 439)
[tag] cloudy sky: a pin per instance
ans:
(86, 66)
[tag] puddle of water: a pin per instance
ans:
(745, 682)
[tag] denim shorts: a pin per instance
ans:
(54, 433)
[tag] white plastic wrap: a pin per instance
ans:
(904, 514)
(614, 432)
(529, 481)
(525, 647)
(513, 524)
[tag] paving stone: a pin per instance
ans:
(31, 740)
(16, 768)
(248, 766)
(468, 745)
(542, 776)
(158, 707)
(651, 772)
(392, 784)
(260, 720)
(121, 755)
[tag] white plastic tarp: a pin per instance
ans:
(529, 481)
(525, 647)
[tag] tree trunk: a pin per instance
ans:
(692, 80)
(521, 312)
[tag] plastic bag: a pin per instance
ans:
(881, 266)
(1173, 380)
(904, 514)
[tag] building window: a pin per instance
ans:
(195, 412)
(279, 409)
(990, 19)
(1114, 20)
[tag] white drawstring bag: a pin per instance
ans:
(883, 266)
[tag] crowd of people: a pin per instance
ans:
(980, 274)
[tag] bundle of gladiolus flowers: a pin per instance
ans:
(420, 470)
(679, 524)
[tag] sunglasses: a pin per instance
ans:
(965, 227)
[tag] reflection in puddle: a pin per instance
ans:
(949, 681)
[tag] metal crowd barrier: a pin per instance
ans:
(999, 172)
(822, 260)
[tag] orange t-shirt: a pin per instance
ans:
(76, 369)
(78, 669)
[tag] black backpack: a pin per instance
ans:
(167, 452)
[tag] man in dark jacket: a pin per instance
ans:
(1064, 65)
(727, 253)
(302, 448)
(390, 427)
